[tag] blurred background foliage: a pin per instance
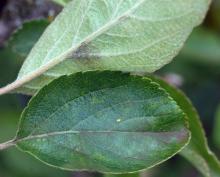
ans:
(196, 70)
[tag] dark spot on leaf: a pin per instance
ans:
(82, 52)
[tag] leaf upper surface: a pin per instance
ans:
(102, 121)
(23, 39)
(125, 35)
(197, 151)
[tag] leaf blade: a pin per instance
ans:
(24, 38)
(111, 35)
(197, 151)
(118, 124)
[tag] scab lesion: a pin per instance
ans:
(83, 52)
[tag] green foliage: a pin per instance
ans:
(216, 132)
(197, 152)
(208, 49)
(140, 36)
(22, 41)
(103, 121)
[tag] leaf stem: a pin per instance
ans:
(7, 144)
(19, 82)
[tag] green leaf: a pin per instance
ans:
(14, 159)
(203, 45)
(102, 121)
(197, 152)
(134, 35)
(217, 128)
(22, 41)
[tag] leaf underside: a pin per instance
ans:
(102, 121)
(131, 35)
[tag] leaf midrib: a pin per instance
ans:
(45, 135)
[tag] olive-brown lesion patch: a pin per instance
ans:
(84, 56)
(83, 52)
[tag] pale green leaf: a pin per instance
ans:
(197, 151)
(125, 35)
(102, 121)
